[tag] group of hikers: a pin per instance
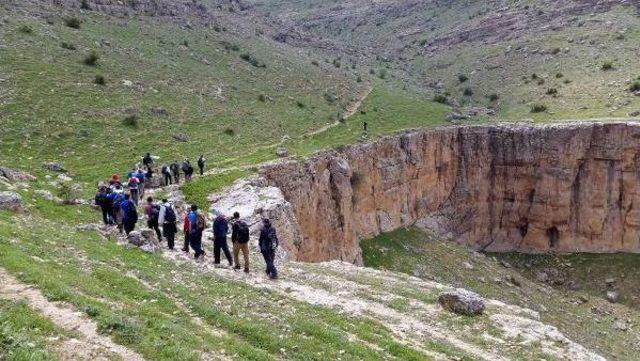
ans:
(120, 208)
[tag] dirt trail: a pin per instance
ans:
(89, 346)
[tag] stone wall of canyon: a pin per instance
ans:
(521, 188)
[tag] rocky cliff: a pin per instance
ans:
(521, 188)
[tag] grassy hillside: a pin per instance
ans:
(505, 55)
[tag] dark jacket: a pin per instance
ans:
(268, 239)
(175, 168)
(220, 227)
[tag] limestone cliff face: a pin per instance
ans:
(498, 188)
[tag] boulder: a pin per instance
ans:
(282, 152)
(462, 302)
(180, 137)
(54, 167)
(10, 201)
(16, 175)
(145, 239)
(613, 296)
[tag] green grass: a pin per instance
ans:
(198, 190)
(24, 333)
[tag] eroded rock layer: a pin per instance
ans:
(521, 188)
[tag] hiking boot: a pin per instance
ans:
(236, 267)
(246, 270)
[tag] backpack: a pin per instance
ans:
(165, 170)
(273, 238)
(101, 199)
(133, 184)
(201, 222)
(132, 212)
(243, 232)
(155, 213)
(169, 215)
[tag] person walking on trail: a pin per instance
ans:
(141, 182)
(175, 170)
(201, 161)
(268, 244)
(187, 169)
(167, 218)
(147, 160)
(114, 181)
(365, 126)
(185, 230)
(240, 241)
(152, 214)
(166, 173)
(133, 184)
(220, 230)
(115, 199)
(102, 202)
(197, 224)
(129, 214)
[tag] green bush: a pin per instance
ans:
(359, 79)
(100, 80)
(538, 108)
(25, 29)
(559, 75)
(252, 60)
(229, 131)
(130, 121)
(72, 22)
(552, 91)
(336, 63)
(262, 98)
(382, 74)
(607, 65)
(423, 42)
(439, 98)
(493, 97)
(467, 92)
(540, 81)
(84, 5)
(462, 78)
(315, 62)
(91, 59)
(300, 104)
(635, 87)
(67, 46)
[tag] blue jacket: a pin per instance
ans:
(220, 227)
(140, 176)
(125, 207)
(193, 221)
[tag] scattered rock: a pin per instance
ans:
(613, 296)
(10, 201)
(462, 302)
(467, 265)
(582, 299)
(621, 325)
(16, 175)
(145, 239)
(180, 137)
(158, 112)
(610, 281)
(47, 195)
(282, 152)
(514, 280)
(505, 264)
(54, 167)
(634, 113)
(542, 277)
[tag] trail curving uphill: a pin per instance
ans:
(90, 345)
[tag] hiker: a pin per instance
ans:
(102, 202)
(147, 160)
(268, 244)
(166, 172)
(133, 171)
(240, 241)
(201, 161)
(148, 174)
(220, 230)
(129, 214)
(175, 170)
(168, 219)
(133, 184)
(365, 125)
(197, 224)
(115, 180)
(152, 213)
(187, 169)
(141, 182)
(185, 230)
(115, 200)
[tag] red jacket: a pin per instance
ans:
(185, 228)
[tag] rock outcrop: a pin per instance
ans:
(462, 302)
(566, 188)
(10, 201)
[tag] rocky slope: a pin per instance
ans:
(525, 188)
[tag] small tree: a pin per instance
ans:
(493, 97)
(467, 92)
(607, 65)
(462, 78)
(72, 22)
(439, 98)
(91, 59)
(100, 80)
(538, 108)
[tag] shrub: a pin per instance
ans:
(72, 22)
(359, 79)
(68, 46)
(25, 29)
(382, 74)
(462, 78)
(493, 97)
(607, 65)
(538, 108)
(252, 60)
(336, 63)
(330, 98)
(300, 104)
(130, 121)
(315, 62)
(423, 42)
(262, 98)
(91, 59)
(84, 5)
(559, 75)
(229, 131)
(100, 80)
(467, 92)
(534, 76)
(567, 81)
(68, 192)
(635, 87)
(540, 81)
(372, 71)
(552, 91)
(439, 98)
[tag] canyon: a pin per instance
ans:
(499, 188)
